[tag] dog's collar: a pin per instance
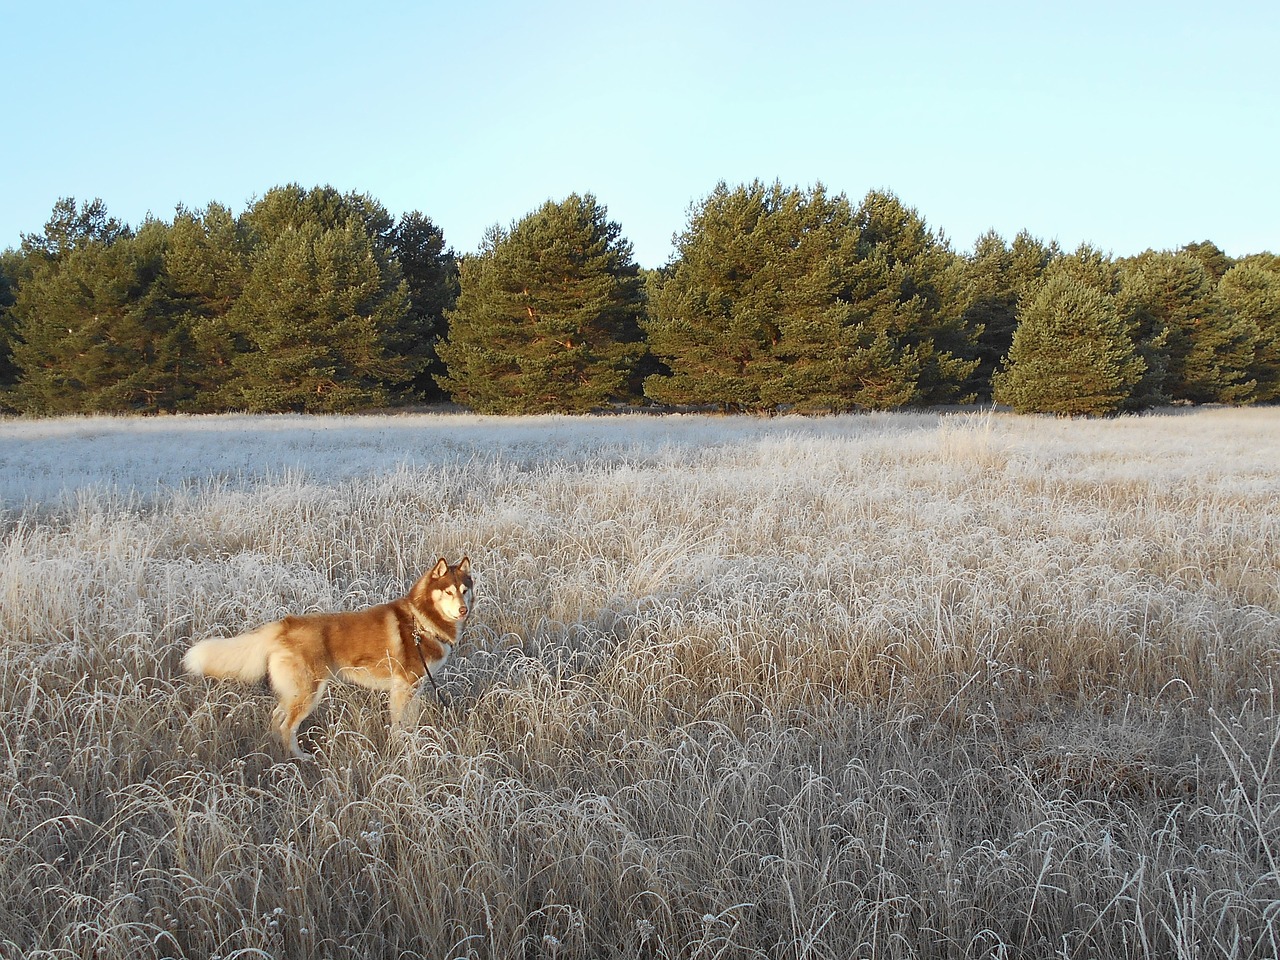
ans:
(420, 635)
(423, 629)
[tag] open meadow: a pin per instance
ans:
(913, 685)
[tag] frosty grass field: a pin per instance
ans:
(914, 685)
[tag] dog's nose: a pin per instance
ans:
(462, 610)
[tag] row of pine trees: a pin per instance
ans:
(776, 298)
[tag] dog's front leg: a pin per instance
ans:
(401, 694)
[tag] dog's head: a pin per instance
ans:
(449, 589)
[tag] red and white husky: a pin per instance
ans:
(392, 646)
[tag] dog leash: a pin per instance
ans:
(417, 645)
(418, 637)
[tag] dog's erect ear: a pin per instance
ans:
(441, 568)
(464, 566)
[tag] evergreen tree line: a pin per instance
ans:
(310, 300)
(776, 298)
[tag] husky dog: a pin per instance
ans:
(388, 647)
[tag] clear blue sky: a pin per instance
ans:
(1127, 125)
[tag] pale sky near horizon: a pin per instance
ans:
(1125, 125)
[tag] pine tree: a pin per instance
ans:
(98, 330)
(996, 277)
(707, 322)
(1250, 295)
(1212, 257)
(319, 321)
(12, 266)
(1071, 354)
(1090, 266)
(288, 207)
(1263, 261)
(318, 312)
(1149, 330)
(207, 264)
(906, 309)
(431, 276)
(71, 227)
(207, 258)
(781, 297)
(1030, 258)
(1206, 353)
(548, 315)
(749, 315)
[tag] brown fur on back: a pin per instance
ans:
(391, 646)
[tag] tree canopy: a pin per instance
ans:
(317, 312)
(1249, 294)
(97, 329)
(1204, 350)
(1071, 354)
(548, 318)
(300, 303)
(997, 277)
(776, 298)
(430, 271)
(789, 297)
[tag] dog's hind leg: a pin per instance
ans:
(299, 690)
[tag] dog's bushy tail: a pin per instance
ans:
(234, 658)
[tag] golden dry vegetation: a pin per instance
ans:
(915, 685)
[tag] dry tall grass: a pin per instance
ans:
(890, 686)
